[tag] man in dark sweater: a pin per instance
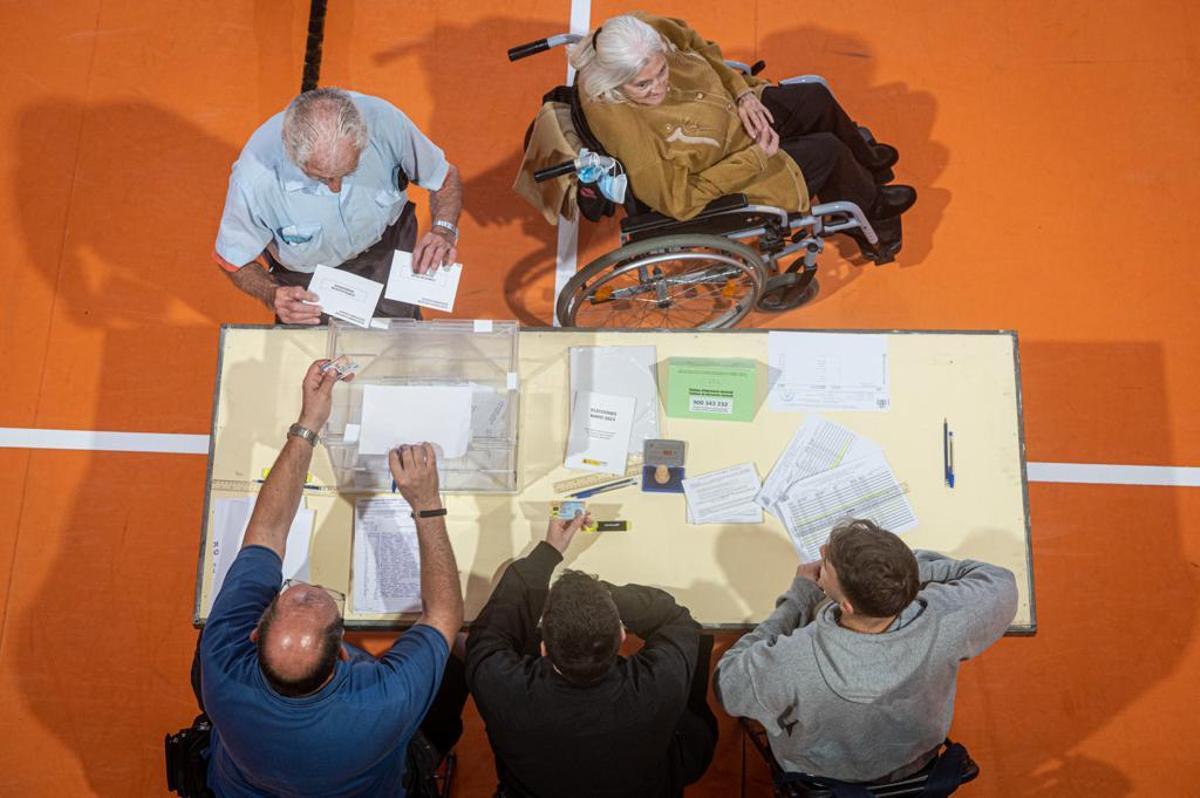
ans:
(566, 714)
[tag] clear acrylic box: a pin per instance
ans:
(482, 354)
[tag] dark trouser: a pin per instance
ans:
(824, 142)
(442, 725)
(696, 734)
(374, 263)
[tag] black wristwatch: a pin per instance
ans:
(428, 513)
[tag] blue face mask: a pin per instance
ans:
(598, 169)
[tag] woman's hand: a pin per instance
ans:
(755, 117)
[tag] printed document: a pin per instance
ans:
(230, 519)
(817, 446)
(724, 496)
(397, 414)
(629, 370)
(828, 371)
(386, 575)
(598, 439)
(436, 289)
(344, 295)
(863, 488)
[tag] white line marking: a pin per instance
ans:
(174, 443)
(565, 261)
(1097, 474)
(93, 440)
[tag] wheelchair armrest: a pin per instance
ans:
(806, 79)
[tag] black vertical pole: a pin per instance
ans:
(312, 50)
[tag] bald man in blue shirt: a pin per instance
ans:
(323, 183)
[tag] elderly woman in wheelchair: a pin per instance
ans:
(717, 159)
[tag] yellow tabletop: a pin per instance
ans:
(728, 575)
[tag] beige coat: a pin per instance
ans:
(692, 148)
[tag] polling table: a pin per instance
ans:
(727, 574)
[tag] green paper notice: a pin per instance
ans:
(720, 389)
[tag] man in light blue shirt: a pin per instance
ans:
(323, 183)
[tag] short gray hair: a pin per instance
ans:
(318, 120)
(613, 54)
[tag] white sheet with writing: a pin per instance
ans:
(724, 497)
(344, 295)
(817, 446)
(598, 439)
(828, 371)
(436, 289)
(386, 575)
(230, 519)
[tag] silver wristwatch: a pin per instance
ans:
(448, 226)
(305, 433)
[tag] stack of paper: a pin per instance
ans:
(828, 474)
(724, 497)
(829, 371)
(230, 519)
(386, 557)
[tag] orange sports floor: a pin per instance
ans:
(1054, 146)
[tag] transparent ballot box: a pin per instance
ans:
(479, 354)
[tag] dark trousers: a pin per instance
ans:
(442, 725)
(374, 263)
(824, 142)
(696, 734)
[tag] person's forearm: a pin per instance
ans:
(255, 281)
(644, 610)
(446, 203)
(280, 496)
(440, 588)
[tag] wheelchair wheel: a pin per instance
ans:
(787, 297)
(673, 282)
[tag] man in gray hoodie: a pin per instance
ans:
(853, 674)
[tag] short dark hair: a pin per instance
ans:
(875, 569)
(311, 680)
(581, 628)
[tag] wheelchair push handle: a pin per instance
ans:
(541, 45)
(551, 172)
(528, 49)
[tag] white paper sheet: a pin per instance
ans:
(344, 295)
(598, 439)
(817, 446)
(863, 488)
(488, 419)
(830, 371)
(386, 573)
(625, 370)
(435, 290)
(397, 414)
(230, 519)
(724, 497)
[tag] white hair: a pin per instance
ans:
(613, 54)
(318, 121)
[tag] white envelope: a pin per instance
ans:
(435, 290)
(344, 295)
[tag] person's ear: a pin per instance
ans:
(343, 654)
(622, 635)
(254, 634)
(542, 647)
(847, 607)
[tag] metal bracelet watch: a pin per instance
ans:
(451, 226)
(305, 433)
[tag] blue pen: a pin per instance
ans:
(947, 453)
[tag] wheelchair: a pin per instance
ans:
(704, 273)
(928, 782)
